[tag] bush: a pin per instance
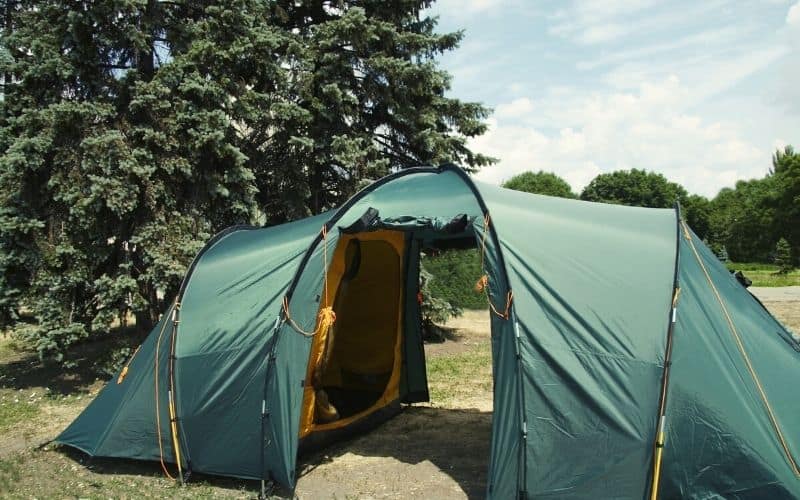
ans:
(434, 309)
(453, 276)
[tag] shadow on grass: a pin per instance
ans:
(24, 369)
(152, 469)
(436, 334)
(455, 441)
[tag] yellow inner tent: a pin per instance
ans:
(356, 364)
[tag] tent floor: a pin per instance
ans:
(320, 439)
(349, 402)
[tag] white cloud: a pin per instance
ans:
(706, 74)
(592, 22)
(578, 136)
(793, 16)
(516, 87)
(718, 38)
(596, 21)
(517, 108)
(461, 7)
(699, 91)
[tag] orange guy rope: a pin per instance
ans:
(124, 371)
(482, 284)
(326, 317)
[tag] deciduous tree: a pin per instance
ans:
(540, 182)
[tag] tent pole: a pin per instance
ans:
(173, 418)
(658, 451)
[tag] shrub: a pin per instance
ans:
(453, 275)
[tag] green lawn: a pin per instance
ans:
(765, 274)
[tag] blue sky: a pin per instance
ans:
(702, 92)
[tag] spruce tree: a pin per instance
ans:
(131, 131)
(371, 99)
(783, 256)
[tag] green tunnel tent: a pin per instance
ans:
(578, 351)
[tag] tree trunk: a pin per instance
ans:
(145, 57)
(8, 26)
(315, 184)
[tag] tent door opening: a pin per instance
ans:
(355, 368)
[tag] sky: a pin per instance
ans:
(702, 92)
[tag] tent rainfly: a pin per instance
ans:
(627, 361)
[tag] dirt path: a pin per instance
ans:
(464, 333)
(436, 450)
(784, 303)
(777, 293)
(422, 453)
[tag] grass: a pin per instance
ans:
(16, 405)
(40, 474)
(765, 274)
(9, 473)
(466, 375)
(16, 408)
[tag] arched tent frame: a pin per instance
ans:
(502, 328)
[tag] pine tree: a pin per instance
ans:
(783, 256)
(434, 309)
(370, 100)
(785, 199)
(131, 131)
(723, 254)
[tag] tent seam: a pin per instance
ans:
(600, 354)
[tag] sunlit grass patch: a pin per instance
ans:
(17, 407)
(9, 473)
(460, 376)
(765, 274)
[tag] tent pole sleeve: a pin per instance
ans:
(174, 430)
(352, 201)
(265, 410)
(522, 479)
(173, 416)
(658, 447)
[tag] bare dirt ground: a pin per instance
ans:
(776, 293)
(435, 450)
(465, 332)
(783, 302)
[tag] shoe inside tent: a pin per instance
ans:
(627, 361)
